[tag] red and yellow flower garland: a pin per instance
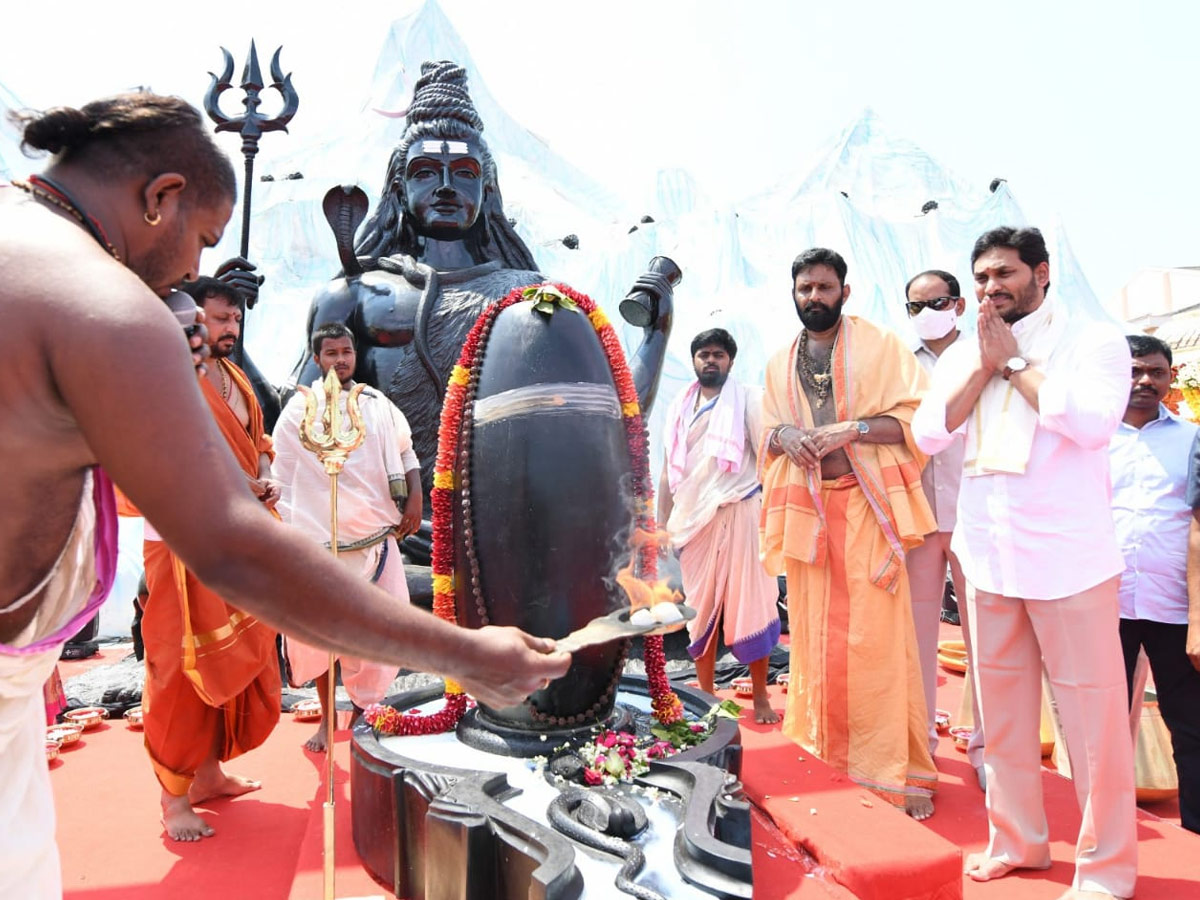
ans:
(667, 706)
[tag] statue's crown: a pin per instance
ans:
(441, 93)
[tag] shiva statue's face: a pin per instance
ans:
(443, 184)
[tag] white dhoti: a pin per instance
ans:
(366, 509)
(725, 582)
(366, 682)
(72, 591)
(29, 865)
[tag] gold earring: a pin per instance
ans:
(152, 220)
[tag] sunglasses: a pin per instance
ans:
(939, 304)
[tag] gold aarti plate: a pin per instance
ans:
(66, 733)
(306, 710)
(88, 716)
(962, 736)
(952, 663)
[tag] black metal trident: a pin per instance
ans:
(252, 125)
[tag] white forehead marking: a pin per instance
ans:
(454, 148)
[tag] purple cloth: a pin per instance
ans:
(106, 568)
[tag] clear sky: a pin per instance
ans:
(1088, 109)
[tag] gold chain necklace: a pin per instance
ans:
(226, 393)
(821, 382)
(54, 198)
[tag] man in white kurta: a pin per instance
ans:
(1038, 396)
(710, 502)
(375, 475)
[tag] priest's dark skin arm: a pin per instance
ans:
(140, 415)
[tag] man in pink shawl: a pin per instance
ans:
(710, 501)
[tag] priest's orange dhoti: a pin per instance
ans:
(855, 698)
(212, 674)
(850, 642)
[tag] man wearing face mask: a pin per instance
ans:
(934, 304)
(842, 504)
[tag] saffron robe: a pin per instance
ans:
(211, 670)
(855, 697)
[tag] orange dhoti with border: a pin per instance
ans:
(855, 698)
(212, 674)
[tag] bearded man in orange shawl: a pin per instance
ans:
(212, 677)
(842, 503)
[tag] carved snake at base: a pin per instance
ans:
(562, 814)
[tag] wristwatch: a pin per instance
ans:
(862, 428)
(1012, 366)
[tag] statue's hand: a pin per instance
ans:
(238, 273)
(666, 307)
(658, 295)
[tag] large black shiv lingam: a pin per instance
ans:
(537, 488)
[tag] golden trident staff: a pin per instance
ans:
(332, 445)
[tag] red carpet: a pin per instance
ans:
(865, 848)
(268, 844)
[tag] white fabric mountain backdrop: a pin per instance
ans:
(862, 196)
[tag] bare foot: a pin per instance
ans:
(317, 742)
(220, 784)
(981, 867)
(181, 821)
(918, 807)
(763, 714)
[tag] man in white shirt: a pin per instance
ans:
(1037, 398)
(1149, 455)
(372, 513)
(934, 304)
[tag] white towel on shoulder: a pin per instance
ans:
(1000, 435)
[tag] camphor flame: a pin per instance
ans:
(644, 593)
